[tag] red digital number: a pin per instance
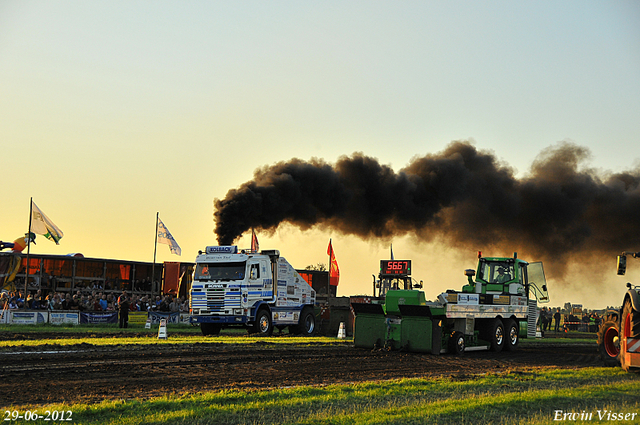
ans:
(395, 267)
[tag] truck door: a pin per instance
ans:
(254, 281)
(274, 278)
(266, 282)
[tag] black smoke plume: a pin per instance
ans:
(461, 196)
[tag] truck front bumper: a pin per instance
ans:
(226, 320)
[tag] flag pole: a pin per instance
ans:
(329, 269)
(155, 248)
(26, 278)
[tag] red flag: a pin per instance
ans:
(255, 246)
(334, 271)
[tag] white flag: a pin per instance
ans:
(165, 237)
(42, 225)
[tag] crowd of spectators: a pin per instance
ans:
(51, 283)
(585, 322)
(93, 301)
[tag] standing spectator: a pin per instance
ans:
(143, 305)
(82, 302)
(57, 301)
(174, 305)
(36, 304)
(96, 304)
(48, 300)
(65, 301)
(88, 304)
(585, 322)
(556, 318)
(44, 304)
(543, 320)
(592, 322)
(73, 303)
(549, 318)
(184, 305)
(164, 304)
(103, 303)
(134, 303)
(122, 296)
(20, 300)
(123, 308)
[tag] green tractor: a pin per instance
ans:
(491, 312)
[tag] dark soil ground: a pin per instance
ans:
(91, 373)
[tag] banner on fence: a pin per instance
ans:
(28, 317)
(63, 318)
(99, 317)
(138, 317)
(155, 317)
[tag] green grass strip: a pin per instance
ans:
(526, 397)
(223, 339)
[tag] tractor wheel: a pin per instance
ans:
(210, 329)
(609, 341)
(263, 325)
(495, 334)
(456, 343)
(512, 335)
(625, 333)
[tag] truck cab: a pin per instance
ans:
(258, 291)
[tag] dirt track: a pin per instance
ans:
(88, 373)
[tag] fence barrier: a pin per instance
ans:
(36, 317)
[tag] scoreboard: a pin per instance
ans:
(395, 268)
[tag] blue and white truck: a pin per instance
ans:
(258, 291)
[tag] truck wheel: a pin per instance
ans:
(456, 343)
(496, 335)
(210, 329)
(307, 323)
(263, 325)
(625, 332)
(609, 341)
(512, 335)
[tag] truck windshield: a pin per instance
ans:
(220, 271)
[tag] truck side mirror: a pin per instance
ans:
(622, 264)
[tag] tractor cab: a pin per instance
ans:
(394, 275)
(508, 276)
(498, 275)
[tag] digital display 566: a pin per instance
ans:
(395, 267)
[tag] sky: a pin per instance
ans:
(113, 111)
